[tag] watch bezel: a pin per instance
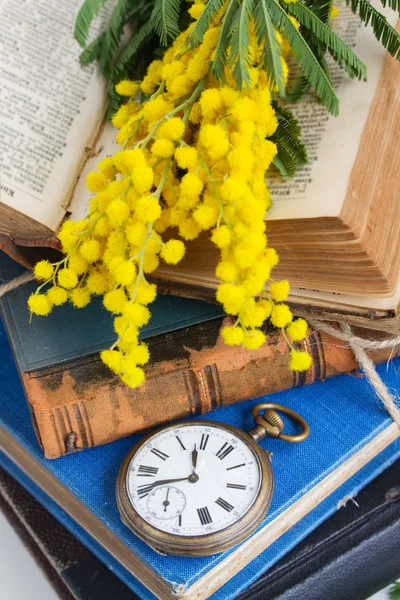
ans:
(210, 543)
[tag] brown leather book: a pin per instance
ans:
(192, 372)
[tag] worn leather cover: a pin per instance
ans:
(77, 402)
(364, 535)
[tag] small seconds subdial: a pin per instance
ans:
(166, 502)
(194, 479)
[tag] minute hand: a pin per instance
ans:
(165, 481)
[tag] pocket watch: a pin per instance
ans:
(200, 487)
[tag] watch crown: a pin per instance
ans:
(273, 419)
(270, 423)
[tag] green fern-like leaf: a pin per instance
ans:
(301, 85)
(299, 89)
(88, 11)
(394, 4)
(114, 100)
(321, 8)
(92, 52)
(224, 41)
(132, 47)
(199, 30)
(394, 593)
(165, 17)
(324, 34)
(382, 29)
(239, 58)
(308, 62)
(292, 154)
(112, 38)
(268, 41)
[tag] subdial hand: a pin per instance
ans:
(166, 502)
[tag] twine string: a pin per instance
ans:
(16, 283)
(357, 344)
(359, 347)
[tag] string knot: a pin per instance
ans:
(359, 346)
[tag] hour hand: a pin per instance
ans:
(194, 458)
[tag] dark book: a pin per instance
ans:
(363, 536)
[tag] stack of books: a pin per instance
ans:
(352, 440)
(66, 422)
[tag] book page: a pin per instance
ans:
(50, 107)
(339, 301)
(105, 146)
(319, 189)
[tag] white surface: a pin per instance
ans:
(21, 578)
(383, 595)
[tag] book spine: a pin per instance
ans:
(84, 405)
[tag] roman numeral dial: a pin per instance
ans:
(160, 454)
(193, 479)
(224, 504)
(144, 490)
(204, 441)
(144, 471)
(204, 515)
(224, 451)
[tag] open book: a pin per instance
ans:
(336, 225)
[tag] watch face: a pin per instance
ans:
(193, 480)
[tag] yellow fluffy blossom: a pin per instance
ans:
(163, 148)
(334, 12)
(299, 360)
(57, 295)
(233, 335)
(231, 297)
(193, 158)
(222, 236)
(97, 282)
(173, 129)
(39, 304)
(91, 250)
(136, 313)
(279, 290)
(125, 272)
(67, 278)
(115, 300)
(43, 270)
(113, 360)
(80, 297)
(78, 264)
(148, 209)
(173, 252)
(127, 88)
(117, 212)
(96, 182)
(297, 330)
(281, 316)
(186, 157)
(254, 339)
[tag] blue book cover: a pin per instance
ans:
(352, 439)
